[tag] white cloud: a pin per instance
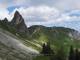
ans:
(62, 5)
(3, 5)
(11, 3)
(20, 3)
(41, 15)
(43, 12)
(34, 15)
(4, 13)
(44, 15)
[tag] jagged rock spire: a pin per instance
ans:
(18, 22)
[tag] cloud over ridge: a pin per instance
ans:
(43, 12)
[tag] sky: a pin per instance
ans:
(63, 13)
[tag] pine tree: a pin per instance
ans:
(46, 49)
(79, 55)
(76, 54)
(43, 49)
(71, 54)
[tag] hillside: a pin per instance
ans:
(12, 48)
(57, 36)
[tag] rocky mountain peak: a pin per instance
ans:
(18, 22)
(17, 19)
(17, 13)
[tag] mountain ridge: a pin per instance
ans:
(18, 26)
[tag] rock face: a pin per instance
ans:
(11, 48)
(18, 23)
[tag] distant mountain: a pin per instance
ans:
(52, 31)
(57, 36)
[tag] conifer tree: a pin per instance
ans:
(71, 54)
(46, 49)
(76, 54)
(43, 49)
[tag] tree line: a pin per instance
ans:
(74, 53)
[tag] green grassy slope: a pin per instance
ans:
(57, 36)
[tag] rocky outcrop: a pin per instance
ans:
(11, 48)
(18, 23)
